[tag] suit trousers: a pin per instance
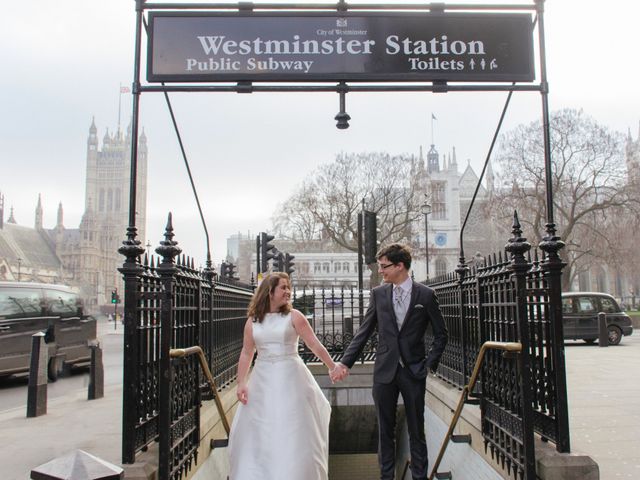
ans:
(385, 397)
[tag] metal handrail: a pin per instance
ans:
(185, 352)
(507, 347)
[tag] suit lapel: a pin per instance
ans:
(389, 296)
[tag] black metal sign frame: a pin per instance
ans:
(340, 46)
(551, 244)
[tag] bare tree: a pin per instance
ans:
(328, 203)
(590, 187)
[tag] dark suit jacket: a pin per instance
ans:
(408, 343)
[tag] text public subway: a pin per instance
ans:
(219, 45)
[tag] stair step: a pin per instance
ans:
(465, 438)
(219, 443)
(472, 401)
(444, 476)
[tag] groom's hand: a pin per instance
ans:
(339, 373)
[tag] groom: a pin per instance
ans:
(402, 310)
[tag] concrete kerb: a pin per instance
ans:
(442, 399)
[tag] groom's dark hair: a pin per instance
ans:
(396, 253)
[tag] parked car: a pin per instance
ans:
(580, 317)
(28, 308)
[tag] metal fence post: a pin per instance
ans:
(517, 247)
(462, 271)
(167, 269)
(131, 271)
(552, 267)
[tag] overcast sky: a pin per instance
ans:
(62, 63)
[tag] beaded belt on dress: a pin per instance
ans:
(275, 357)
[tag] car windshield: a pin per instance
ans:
(62, 303)
(19, 301)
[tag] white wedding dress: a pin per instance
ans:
(282, 433)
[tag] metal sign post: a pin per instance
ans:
(431, 47)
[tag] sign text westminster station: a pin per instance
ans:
(188, 47)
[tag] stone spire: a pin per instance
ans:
(11, 218)
(490, 177)
(38, 224)
(1, 211)
(433, 160)
(59, 221)
(453, 162)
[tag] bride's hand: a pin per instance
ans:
(243, 394)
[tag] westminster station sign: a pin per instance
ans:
(373, 47)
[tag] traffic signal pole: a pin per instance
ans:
(360, 276)
(114, 300)
(258, 255)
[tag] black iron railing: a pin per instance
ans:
(512, 297)
(334, 314)
(169, 304)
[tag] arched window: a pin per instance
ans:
(117, 200)
(101, 200)
(584, 282)
(326, 267)
(109, 200)
(316, 267)
(345, 267)
(337, 267)
(441, 266)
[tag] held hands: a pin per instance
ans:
(243, 393)
(338, 373)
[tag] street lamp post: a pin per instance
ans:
(426, 210)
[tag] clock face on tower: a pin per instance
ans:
(440, 239)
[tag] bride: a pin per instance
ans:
(281, 428)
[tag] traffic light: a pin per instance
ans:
(224, 270)
(231, 270)
(278, 262)
(370, 237)
(289, 264)
(266, 250)
(114, 296)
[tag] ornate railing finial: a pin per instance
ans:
(517, 245)
(168, 247)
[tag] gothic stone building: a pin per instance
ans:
(86, 257)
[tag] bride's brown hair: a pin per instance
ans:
(260, 303)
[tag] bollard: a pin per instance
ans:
(37, 390)
(96, 374)
(78, 465)
(603, 332)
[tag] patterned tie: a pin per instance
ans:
(398, 304)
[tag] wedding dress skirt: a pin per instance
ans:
(282, 433)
